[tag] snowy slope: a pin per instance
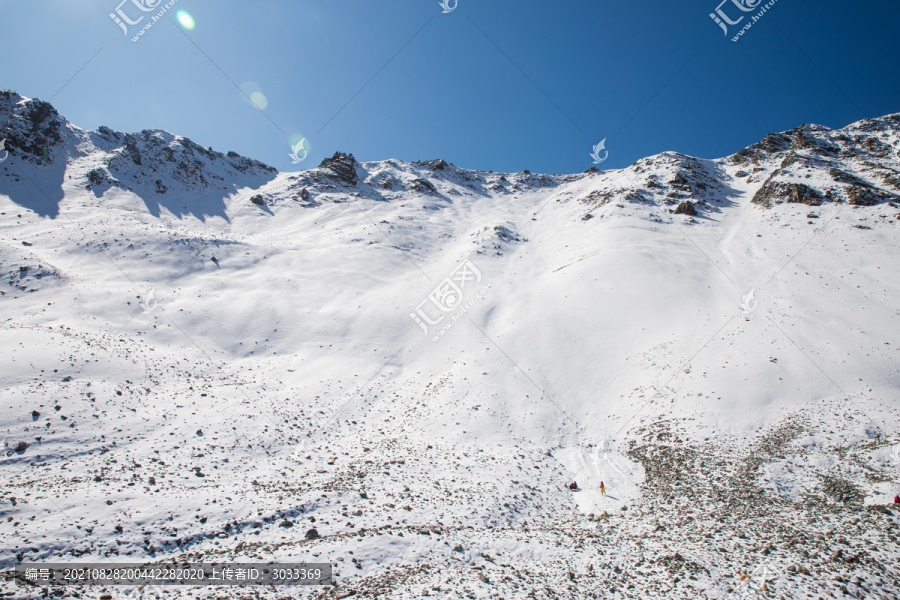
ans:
(215, 357)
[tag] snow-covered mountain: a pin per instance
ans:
(204, 358)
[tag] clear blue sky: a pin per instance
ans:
(502, 85)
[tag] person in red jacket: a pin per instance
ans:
(573, 486)
(896, 499)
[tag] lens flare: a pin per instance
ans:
(186, 20)
(259, 99)
(254, 94)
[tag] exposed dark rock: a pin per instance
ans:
(435, 165)
(597, 198)
(506, 234)
(96, 176)
(844, 177)
(311, 534)
(341, 167)
(892, 180)
(258, 200)
(680, 181)
(841, 490)
(131, 149)
(774, 192)
(33, 130)
(772, 143)
(686, 208)
(866, 196)
(148, 157)
(877, 148)
(423, 186)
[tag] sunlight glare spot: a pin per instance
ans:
(186, 20)
(259, 99)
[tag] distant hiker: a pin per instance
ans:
(896, 499)
(573, 486)
(602, 489)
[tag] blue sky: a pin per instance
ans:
(501, 85)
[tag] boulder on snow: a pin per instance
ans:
(686, 208)
(312, 534)
(258, 200)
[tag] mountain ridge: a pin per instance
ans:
(35, 132)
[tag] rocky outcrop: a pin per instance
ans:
(150, 161)
(341, 168)
(776, 192)
(33, 130)
(142, 159)
(867, 196)
(769, 145)
(686, 208)
(422, 186)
